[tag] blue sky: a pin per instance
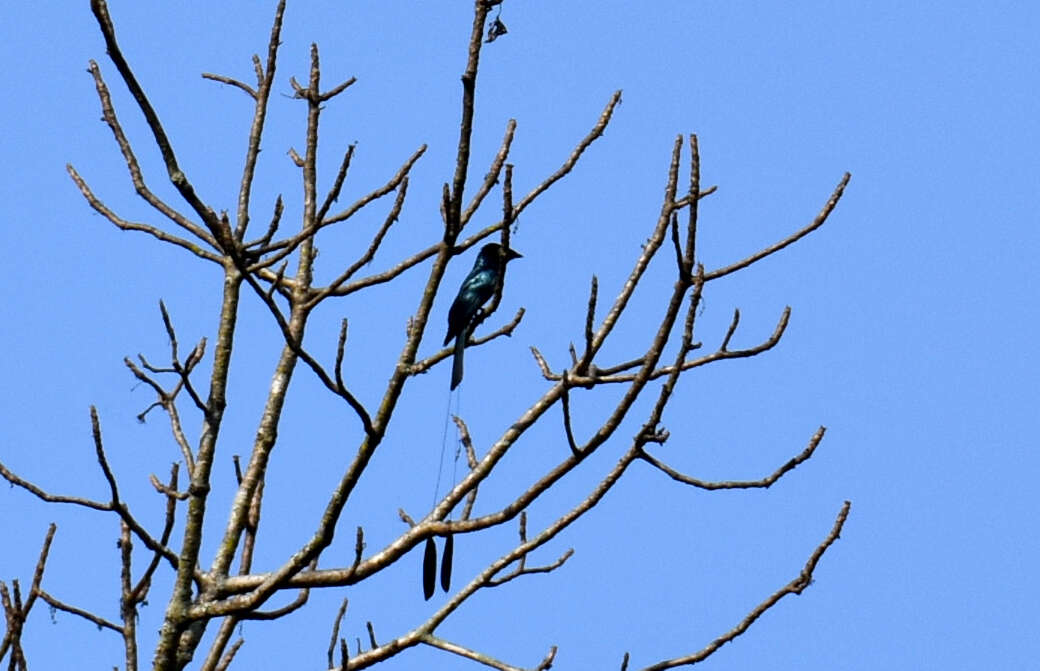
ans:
(914, 313)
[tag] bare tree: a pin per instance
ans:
(278, 269)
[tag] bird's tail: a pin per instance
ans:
(456, 362)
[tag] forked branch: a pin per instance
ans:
(763, 483)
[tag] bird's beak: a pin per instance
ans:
(513, 254)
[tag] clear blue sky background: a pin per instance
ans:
(912, 334)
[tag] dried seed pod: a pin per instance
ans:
(429, 569)
(449, 551)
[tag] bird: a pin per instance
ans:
(476, 289)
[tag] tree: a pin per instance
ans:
(208, 595)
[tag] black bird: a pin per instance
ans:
(476, 289)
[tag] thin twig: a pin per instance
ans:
(389, 274)
(127, 225)
(371, 634)
(471, 461)
(140, 591)
(293, 344)
(828, 207)
(590, 315)
(473, 655)
(572, 160)
(340, 348)
(250, 91)
(505, 330)
(529, 570)
(109, 117)
(264, 80)
(491, 178)
(763, 483)
(229, 656)
(287, 246)
(116, 503)
(453, 220)
(565, 404)
(41, 563)
(16, 613)
(272, 227)
(221, 236)
(370, 253)
(335, 631)
(337, 184)
(86, 615)
(796, 586)
(51, 498)
(295, 604)
(611, 376)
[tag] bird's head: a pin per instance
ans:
(496, 253)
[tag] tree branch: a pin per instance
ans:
(265, 79)
(572, 160)
(796, 586)
(221, 236)
(86, 615)
(486, 660)
(285, 247)
(126, 225)
(249, 90)
(370, 253)
(763, 483)
(828, 207)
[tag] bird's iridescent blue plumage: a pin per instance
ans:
(477, 289)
